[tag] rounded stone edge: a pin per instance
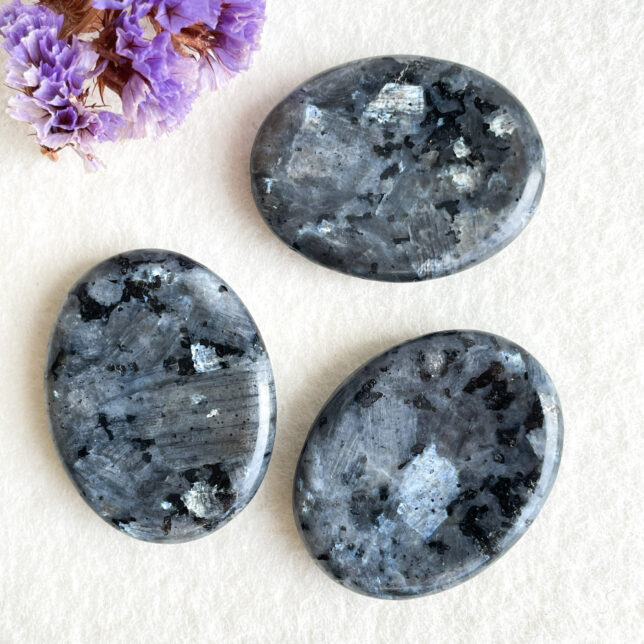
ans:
(539, 506)
(48, 359)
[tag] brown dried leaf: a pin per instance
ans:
(52, 155)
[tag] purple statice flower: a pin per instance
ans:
(175, 15)
(74, 125)
(118, 5)
(155, 54)
(162, 84)
(17, 20)
(231, 42)
(50, 74)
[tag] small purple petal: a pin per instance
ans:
(119, 5)
(65, 119)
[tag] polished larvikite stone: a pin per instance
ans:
(160, 396)
(399, 168)
(428, 463)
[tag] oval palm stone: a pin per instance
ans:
(399, 168)
(428, 463)
(160, 396)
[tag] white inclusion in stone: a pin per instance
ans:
(197, 399)
(395, 99)
(460, 148)
(166, 505)
(204, 358)
(212, 413)
(56, 394)
(312, 117)
(537, 438)
(427, 487)
(463, 177)
(269, 185)
(324, 227)
(501, 124)
(200, 499)
(105, 292)
(497, 181)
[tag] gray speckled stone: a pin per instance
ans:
(160, 396)
(399, 168)
(428, 463)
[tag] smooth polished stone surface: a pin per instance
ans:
(160, 396)
(428, 463)
(398, 168)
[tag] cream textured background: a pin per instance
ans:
(569, 289)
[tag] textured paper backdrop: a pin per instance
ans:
(569, 289)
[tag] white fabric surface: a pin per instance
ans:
(569, 289)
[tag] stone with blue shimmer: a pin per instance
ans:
(399, 168)
(160, 396)
(428, 463)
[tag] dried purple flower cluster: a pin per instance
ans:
(155, 56)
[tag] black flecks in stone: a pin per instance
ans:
(451, 206)
(418, 448)
(472, 526)
(430, 497)
(186, 263)
(178, 506)
(366, 396)
(466, 495)
(390, 172)
(121, 413)
(323, 557)
(440, 547)
(143, 443)
(486, 378)
(386, 150)
(531, 479)
(499, 397)
(143, 291)
(420, 402)
(484, 106)
(221, 349)
(185, 366)
(124, 265)
(105, 425)
(510, 502)
(535, 417)
(507, 436)
(220, 481)
(450, 358)
(58, 364)
(89, 308)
